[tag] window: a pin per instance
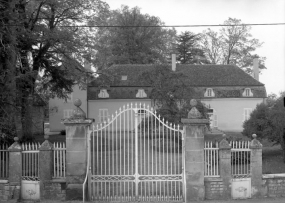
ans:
(209, 93)
(103, 94)
(141, 93)
(124, 77)
(213, 118)
(247, 92)
(246, 114)
(69, 98)
(67, 113)
(141, 111)
(103, 115)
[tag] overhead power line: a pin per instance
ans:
(130, 26)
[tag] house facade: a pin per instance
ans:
(229, 93)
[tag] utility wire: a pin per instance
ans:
(130, 26)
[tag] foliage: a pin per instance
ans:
(268, 121)
(42, 50)
(259, 122)
(124, 44)
(233, 44)
(188, 49)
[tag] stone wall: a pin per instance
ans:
(53, 190)
(215, 188)
(274, 185)
(8, 192)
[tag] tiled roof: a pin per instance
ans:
(197, 75)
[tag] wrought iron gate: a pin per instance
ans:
(136, 156)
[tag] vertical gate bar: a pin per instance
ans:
(163, 171)
(136, 154)
(148, 160)
(120, 135)
(125, 144)
(113, 148)
(175, 153)
(128, 134)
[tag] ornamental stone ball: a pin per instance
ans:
(78, 113)
(77, 102)
(193, 102)
(194, 113)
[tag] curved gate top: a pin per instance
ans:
(136, 156)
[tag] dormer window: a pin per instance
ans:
(247, 92)
(141, 93)
(103, 93)
(209, 93)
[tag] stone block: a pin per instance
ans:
(76, 157)
(78, 144)
(75, 169)
(74, 192)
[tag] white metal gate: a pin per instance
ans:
(136, 156)
(241, 174)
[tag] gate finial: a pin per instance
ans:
(194, 113)
(78, 113)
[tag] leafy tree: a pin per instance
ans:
(124, 44)
(42, 48)
(268, 121)
(233, 44)
(170, 93)
(188, 49)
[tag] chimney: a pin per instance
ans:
(255, 69)
(173, 62)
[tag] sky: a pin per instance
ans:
(205, 12)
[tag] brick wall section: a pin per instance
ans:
(215, 188)
(274, 185)
(53, 190)
(8, 192)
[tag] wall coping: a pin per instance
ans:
(278, 175)
(213, 179)
(4, 181)
(58, 180)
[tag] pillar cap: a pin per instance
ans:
(255, 144)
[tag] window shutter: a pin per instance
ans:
(215, 120)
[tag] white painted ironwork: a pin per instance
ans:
(240, 159)
(136, 156)
(30, 160)
(211, 159)
(59, 161)
(4, 161)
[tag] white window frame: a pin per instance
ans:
(141, 93)
(67, 113)
(103, 93)
(247, 92)
(209, 93)
(215, 118)
(103, 115)
(246, 113)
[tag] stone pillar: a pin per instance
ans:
(76, 152)
(15, 163)
(45, 164)
(194, 128)
(256, 167)
(225, 166)
(15, 167)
